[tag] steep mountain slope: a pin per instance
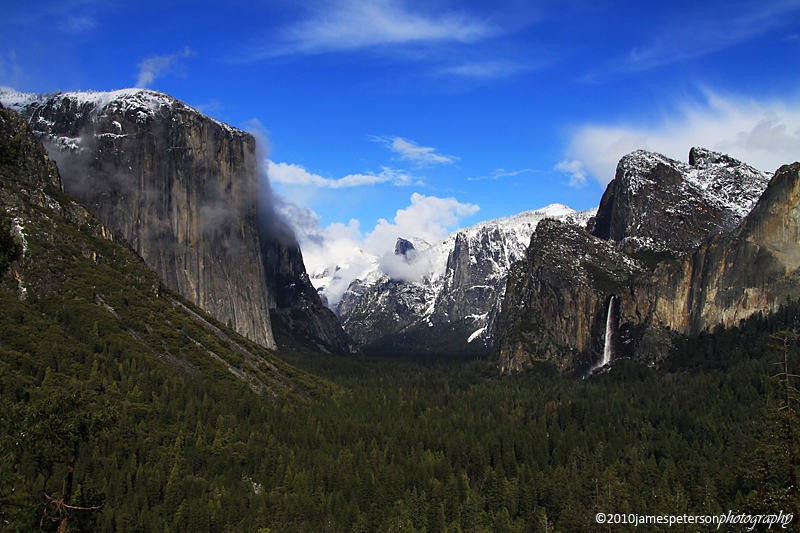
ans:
(183, 189)
(656, 203)
(722, 264)
(450, 297)
(122, 404)
(296, 303)
(730, 277)
(84, 279)
(557, 298)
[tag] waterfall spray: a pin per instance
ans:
(607, 345)
(609, 323)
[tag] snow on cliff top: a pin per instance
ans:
(721, 181)
(147, 102)
(429, 264)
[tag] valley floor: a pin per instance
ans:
(426, 444)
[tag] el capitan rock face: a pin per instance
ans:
(183, 188)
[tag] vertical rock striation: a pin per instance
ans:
(557, 299)
(730, 277)
(180, 186)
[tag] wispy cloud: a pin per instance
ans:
(501, 173)
(292, 174)
(701, 33)
(411, 151)
(78, 25)
(158, 66)
(490, 69)
(212, 106)
(11, 74)
(354, 24)
(764, 134)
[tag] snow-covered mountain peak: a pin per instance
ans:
(458, 281)
(727, 184)
(658, 203)
(724, 182)
(92, 106)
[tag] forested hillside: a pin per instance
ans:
(413, 445)
(124, 408)
(101, 366)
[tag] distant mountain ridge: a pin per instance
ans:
(452, 294)
(659, 252)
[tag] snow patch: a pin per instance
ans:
(18, 229)
(476, 334)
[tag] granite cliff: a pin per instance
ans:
(662, 205)
(557, 298)
(76, 292)
(730, 276)
(183, 189)
(678, 248)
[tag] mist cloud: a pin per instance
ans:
(354, 253)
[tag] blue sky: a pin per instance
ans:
(392, 117)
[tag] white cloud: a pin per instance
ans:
(352, 24)
(157, 66)
(411, 151)
(428, 218)
(292, 174)
(577, 174)
(344, 246)
(11, 74)
(764, 134)
(78, 25)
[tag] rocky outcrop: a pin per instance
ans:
(732, 276)
(293, 298)
(658, 204)
(404, 247)
(729, 260)
(391, 311)
(557, 299)
(24, 154)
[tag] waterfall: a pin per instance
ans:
(609, 333)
